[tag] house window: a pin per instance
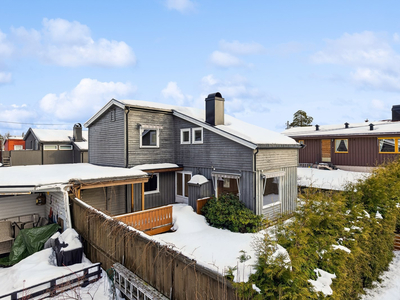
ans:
(271, 193)
(301, 142)
(65, 147)
(18, 147)
(185, 136)
(152, 185)
(197, 135)
(341, 146)
(50, 147)
(389, 145)
(113, 116)
(227, 183)
(149, 137)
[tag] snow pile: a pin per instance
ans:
(40, 267)
(155, 166)
(71, 238)
(323, 282)
(281, 252)
(198, 179)
(214, 248)
(378, 215)
(328, 179)
(340, 247)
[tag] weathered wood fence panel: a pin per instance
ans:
(107, 240)
(200, 203)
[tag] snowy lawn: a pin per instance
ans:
(212, 247)
(389, 288)
(40, 267)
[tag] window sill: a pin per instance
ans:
(197, 143)
(271, 204)
(149, 147)
(152, 192)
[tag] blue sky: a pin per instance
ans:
(61, 61)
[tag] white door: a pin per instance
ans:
(182, 179)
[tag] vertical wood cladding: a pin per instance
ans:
(215, 151)
(106, 139)
(108, 199)
(165, 152)
(362, 151)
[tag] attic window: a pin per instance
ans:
(149, 138)
(341, 146)
(113, 116)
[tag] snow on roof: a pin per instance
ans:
(15, 138)
(155, 166)
(56, 135)
(198, 179)
(233, 127)
(380, 127)
(60, 174)
(82, 145)
(246, 131)
(328, 179)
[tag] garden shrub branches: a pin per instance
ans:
(348, 234)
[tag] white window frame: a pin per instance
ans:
(281, 178)
(182, 132)
(158, 185)
(61, 146)
(50, 147)
(18, 147)
(143, 128)
(194, 136)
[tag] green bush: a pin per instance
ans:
(228, 212)
(339, 218)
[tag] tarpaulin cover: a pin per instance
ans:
(29, 241)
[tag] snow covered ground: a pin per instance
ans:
(389, 288)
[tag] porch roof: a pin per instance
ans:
(158, 168)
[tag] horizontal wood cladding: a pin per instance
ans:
(215, 151)
(106, 139)
(362, 151)
(12, 206)
(272, 159)
(165, 153)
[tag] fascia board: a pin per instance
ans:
(215, 130)
(101, 111)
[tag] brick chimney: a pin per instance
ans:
(215, 109)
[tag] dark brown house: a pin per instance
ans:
(354, 147)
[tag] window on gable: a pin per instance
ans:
(113, 116)
(341, 146)
(197, 135)
(389, 145)
(185, 136)
(152, 185)
(149, 137)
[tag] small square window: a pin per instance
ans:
(185, 136)
(149, 138)
(152, 185)
(342, 146)
(301, 142)
(197, 135)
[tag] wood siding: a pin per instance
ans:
(362, 151)
(272, 159)
(165, 153)
(197, 191)
(109, 199)
(106, 139)
(12, 206)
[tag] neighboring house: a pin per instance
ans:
(172, 144)
(14, 143)
(52, 146)
(353, 147)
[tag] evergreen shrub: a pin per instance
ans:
(228, 212)
(348, 219)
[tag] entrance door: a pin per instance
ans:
(182, 179)
(326, 150)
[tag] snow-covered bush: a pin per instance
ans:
(228, 212)
(341, 233)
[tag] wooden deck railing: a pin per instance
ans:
(201, 203)
(151, 221)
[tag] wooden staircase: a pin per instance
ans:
(397, 241)
(6, 161)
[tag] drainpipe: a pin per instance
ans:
(126, 138)
(255, 178)
(42, 151)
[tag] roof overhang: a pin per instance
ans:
(106, 182)
(103, 110)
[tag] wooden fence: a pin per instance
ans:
(152, 221)
(200, 204)
(397, 241)
(176, 276)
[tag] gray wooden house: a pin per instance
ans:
(173, 143)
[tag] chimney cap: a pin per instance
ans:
(346, 125)
(317, 127)
(78, 125)
(214, 95)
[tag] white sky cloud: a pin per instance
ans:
(172, 91)
(238, 48)
(5, 77)
(69, 44)
(225, 60)
(85, 99)
(182, 6)
(375, 62)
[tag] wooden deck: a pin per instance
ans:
(151, 221)
(397, 241)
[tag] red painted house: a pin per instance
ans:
(14, 143)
